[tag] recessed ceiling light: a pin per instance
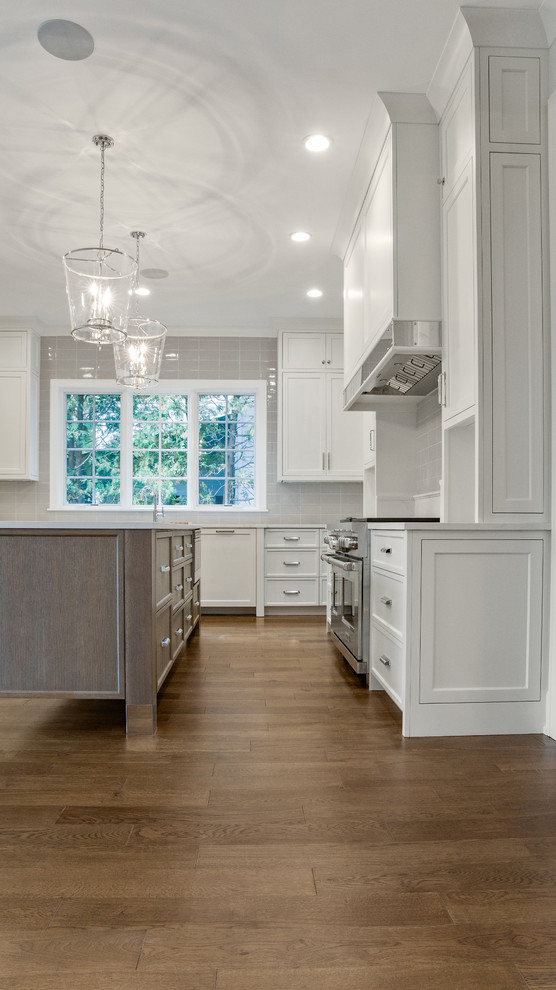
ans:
(65, 39)
(300, 235)
(154, 273)
(314, 293)
(317, 142)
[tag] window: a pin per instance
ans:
(198, 445)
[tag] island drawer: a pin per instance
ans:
(388, 601)
(388, 550)
(388, 664)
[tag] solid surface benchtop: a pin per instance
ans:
(46, 524)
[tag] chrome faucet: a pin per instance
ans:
(158, 510)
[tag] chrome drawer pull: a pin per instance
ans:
(165, 568)
(291, 592)
(165, 641)
(189, 546)
(386, 549)
(179, 547)
(386, 601)
(225, 532)
(179, 587)
(196, 604)
(291, 539)
(385, 661)
(189, 617)
(179, 632)
(291, 563)
(189, 580)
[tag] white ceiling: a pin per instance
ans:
(208, 102)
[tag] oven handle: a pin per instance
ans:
(342, 564)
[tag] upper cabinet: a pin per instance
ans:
(308, 351)
(19, 405)
(389, 237)
(317, 440)
(492, 107)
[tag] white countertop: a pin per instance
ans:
(109, 524)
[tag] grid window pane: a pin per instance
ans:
(160, 447)
(92, 449)
(226, 449)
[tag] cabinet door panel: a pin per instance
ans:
(457, 132)
(13, 410)
(514, 99)
(460, 309)
(517, 334)
(481, 621)
(303, 426)
(379, 248)
(229, 568)
(354, 329)
(303, 350)
(345, 433)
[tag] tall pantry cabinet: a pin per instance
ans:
(489, 91)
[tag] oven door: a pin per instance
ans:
(345, 608)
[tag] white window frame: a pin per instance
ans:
(60, 387)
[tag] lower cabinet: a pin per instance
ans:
(229, 567)
(173, 596)
(458, 623)
(293, 572)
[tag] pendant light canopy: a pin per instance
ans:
(99, 281)
(139, 357)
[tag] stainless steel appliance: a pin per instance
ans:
(349, 556)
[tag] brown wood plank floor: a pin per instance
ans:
(277, 834)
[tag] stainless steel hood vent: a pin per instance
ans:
(407, 360)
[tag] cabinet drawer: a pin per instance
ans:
(178, 631)
(302, 591)
(388, 601)
(182, 582)
(388, 664)
(196, 609)
(292, 538)
(182, 546)
(388, 551)
(163, 570)
(292, 563)
(163, 632)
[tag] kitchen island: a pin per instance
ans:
(97, 611)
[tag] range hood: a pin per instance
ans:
(406, 361)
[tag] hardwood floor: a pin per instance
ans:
(277, 834)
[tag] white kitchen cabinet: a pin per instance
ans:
(306, 351)
(492, 104)
(318, 441)
(19, 405)
(458, 628)
(390, 467)
(229, 568)
(369, 439)
(293, 570)
(389, 238)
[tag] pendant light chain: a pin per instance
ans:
(101, 240)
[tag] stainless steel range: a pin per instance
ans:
(349, 554)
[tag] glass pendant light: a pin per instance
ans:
(139, 357)
(99, 281)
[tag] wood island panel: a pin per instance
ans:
(80, 615)
(60, 629)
